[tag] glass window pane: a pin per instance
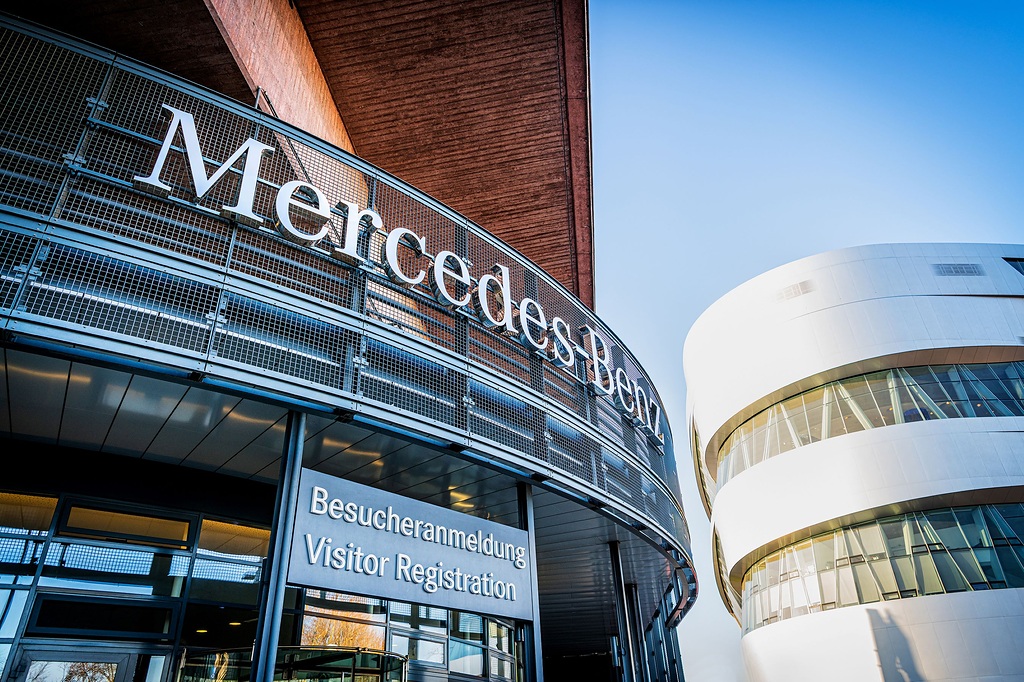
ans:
(19, 557)
(827, 580)
(904, 572)
(813, 406)
(418, 617)
(967, 564)
(26, 513)
(228, 540)
(465, 658)
(425, 651)
(72, 671)
(126, 571)
(12, 605)
(106, 524)
(897, 537)
(824, 552)
(467, 626)
(847, 587)
(927, 575)
(945, 526)
(347, 605)
(224, 627)
(867, 590)
(1013, 572)
(870, 537)
(225, 582)
(499, 636)
(882, 572)
(501, 668)
(952, 580)
(321, 631)
(1013, 514)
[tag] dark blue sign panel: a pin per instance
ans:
(353, 538)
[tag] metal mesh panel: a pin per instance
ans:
(272, 259)
(499, 417)
(43, 106)
(571, 451)
(135, 103)
(103, 293)
(15, 253)
(115, 153)
(500, 353)
(142, 218)
(620, 479)
(293, 160)
(566, 390)
(413, 314)
(260, 335)
(406, 381)
(609, 420)
(398, 209)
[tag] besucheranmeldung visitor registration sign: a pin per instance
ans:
(353, 538)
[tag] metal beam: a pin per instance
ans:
(534, 651)
(272, 605)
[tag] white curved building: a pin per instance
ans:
(857, 422)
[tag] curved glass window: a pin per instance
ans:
(868, 401)
(898, 557)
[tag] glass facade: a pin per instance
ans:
(107, 571)
(868, 401)
(432, 638)
(898, 557)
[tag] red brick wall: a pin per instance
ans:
(271, 48)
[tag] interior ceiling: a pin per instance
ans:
(474, 102)
(67, 403)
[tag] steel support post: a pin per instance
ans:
(626, 634)
(269, 628)
(534, 652)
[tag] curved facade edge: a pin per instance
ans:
(842, 308)
(972, 635)
(826, 484)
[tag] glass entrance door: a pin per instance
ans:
(87, 662)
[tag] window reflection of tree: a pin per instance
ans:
(319, 631)
(74, 671)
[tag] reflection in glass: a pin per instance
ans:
(126, 571)
(932, 552)
(18, 559)
(418, 617)
(26, 514)
(321, 631)
(103, 524)
(467, 626)
(465, 658)
(869, 401)
(225, 582)
(499, 636)
(232, 541)
(347, 605)
(71, 671)
(425, 651)
(12, 605)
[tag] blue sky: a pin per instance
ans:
(732, 136)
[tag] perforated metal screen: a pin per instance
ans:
(86, 253)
